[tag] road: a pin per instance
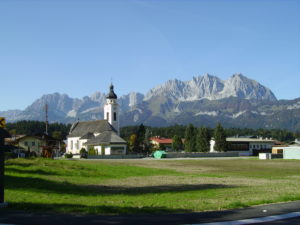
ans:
(24, 218)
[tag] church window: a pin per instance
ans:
(115, 116)
(71, 145)
(107, 115)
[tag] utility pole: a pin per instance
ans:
(3, 134)
(46, 118)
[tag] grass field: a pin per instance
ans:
(148, 186)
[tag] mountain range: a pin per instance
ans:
(204, 100)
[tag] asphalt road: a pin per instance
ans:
(294, 221)
(25, 218)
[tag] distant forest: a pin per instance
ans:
(60, 130)
(29, 127)
(179, 130)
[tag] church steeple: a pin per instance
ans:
(111, 93)
(111, 109)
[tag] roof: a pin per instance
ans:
(111, 93)
(107, 137)
(162, 140)
(80, 129)
(40, 136)
(88, 135)
(250, 140)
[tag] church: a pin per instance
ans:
(102, 135)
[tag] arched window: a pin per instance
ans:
(115, 116)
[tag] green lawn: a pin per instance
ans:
(147, 186)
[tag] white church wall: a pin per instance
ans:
(98, 149)
(81, 144)
(73, 145)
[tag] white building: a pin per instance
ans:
(102, 135)
(246, 145)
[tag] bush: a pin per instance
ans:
(83, 153)
(92, 151)
(9, 155)
(69, 155)
(33, 154)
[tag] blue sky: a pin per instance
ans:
(77, 46)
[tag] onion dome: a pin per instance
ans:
(111, 94)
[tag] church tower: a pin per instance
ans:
(111, 109)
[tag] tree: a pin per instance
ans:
(141, 134)
(203, 140)
(190, 140)
(132, 142)
(147, 144)
(220, 139)
(176, 143)
(57, 135)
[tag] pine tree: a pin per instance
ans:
(147, 144)
(190, 139)
(176, 143)
(220, 139)
(203, 140)
(141, 134)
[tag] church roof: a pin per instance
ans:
(88, 135)
(107, 137)
(80, 129)
(111, 93)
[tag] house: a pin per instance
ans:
(291, 152)
(248, 145)
(101, 135)
(161, 143)
(288, 151)
(34, 143)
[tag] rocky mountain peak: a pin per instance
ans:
(212, 88)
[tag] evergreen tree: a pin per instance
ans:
(220, 139)
(176, 143)
(190, 139)
(141, 134)
(147, 144)
(203, 140)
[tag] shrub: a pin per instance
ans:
(92, 151)
(33, 154)
(8, 155)
(69, 155)
(83, 153)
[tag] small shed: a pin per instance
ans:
(159, 154)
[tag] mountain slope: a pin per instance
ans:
(204, 100)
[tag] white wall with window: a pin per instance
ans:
(73, 145)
